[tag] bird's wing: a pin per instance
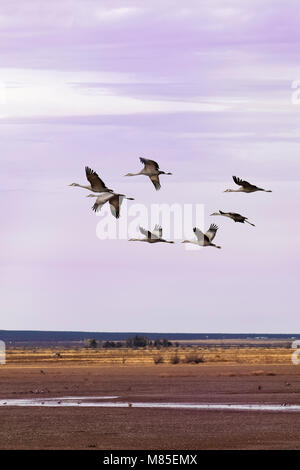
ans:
(115, 204)
(157, 232)
(96, 182)
(237, 216)
(200, 235)
(151, 164)
(101, 200)
(240, 182)
(155, 181)
(145, 232)
(211, 232)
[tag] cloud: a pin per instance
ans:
(50, 94)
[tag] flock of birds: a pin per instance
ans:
(151, 169)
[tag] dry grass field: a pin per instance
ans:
(148, 356)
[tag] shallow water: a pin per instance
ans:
(93, 402)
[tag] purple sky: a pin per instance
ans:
(204, 88)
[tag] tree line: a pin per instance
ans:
(136, 342)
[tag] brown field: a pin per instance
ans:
(227, 375)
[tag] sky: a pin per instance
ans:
(203, 87)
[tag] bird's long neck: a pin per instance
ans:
(82, 186)
(133, 174)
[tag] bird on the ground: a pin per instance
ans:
(115, 200)
(151, 237)
(245, 187)
(97, 185)
(204, 239)
(234, 216)
(151, 169)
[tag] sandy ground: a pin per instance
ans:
(138, 428)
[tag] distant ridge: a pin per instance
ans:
(53, 336)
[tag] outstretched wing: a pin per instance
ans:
(115, 204)
(101, 200)
(240, 182)
(237, 216)
(155, 181)
(96, 182)
(211, 232)
(151, 164)
(145, 232)
(200, 235)
(157, 232)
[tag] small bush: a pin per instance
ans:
(158, 359)
(90, 343)
(175, 359)
(193, 358)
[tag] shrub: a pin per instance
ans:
(175, 359)
(90, 343)
(162, 343)
(193, 358)
(137, 342)
(158, 359)
(112, 344)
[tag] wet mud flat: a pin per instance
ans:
(154, 407)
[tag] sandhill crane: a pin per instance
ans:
(151, 169)
(245, 187)
(151, 237)
(204, 239)
(96, 183)
(115, 201)
(234, 216)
